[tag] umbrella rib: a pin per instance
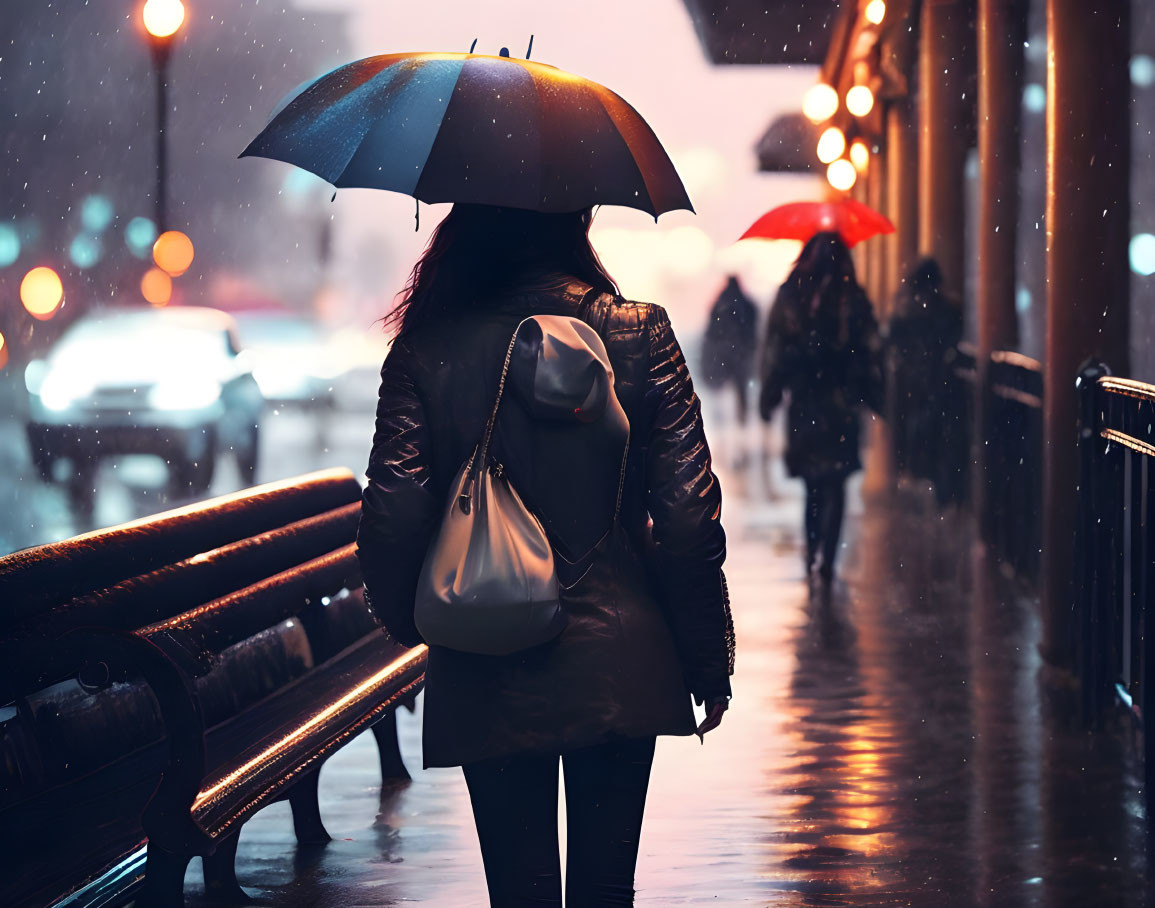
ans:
(437, 133)
(598, 92)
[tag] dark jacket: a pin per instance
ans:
(923, 342)
(827, 358)
(731, 337)
(635, 646)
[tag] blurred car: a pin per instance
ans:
(293, 362)
(171, 382)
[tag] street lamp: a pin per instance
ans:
(162, 20)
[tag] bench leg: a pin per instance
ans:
(163, 879)
(389, 749)
(307, 811)
(220, 870)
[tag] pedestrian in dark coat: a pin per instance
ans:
(648, 622)
(822, 349)
(729, 343)
(923, 340)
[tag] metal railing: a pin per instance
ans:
(1009, 485)
(1114, 583)
(1011, 461)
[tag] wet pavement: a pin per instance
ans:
(892, 745)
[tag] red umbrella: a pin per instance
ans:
(854, 221)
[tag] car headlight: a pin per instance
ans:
(60, 391)
(195, 394)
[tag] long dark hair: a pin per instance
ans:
(825, 255)
(923, 291)
(481, 251)
(820, 293)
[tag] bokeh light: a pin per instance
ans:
(162, 18)
(841, 174)
(860, 100)
(41, 293)
(173, 251)
(831, 144)
(139, 235)
(3, 352)
(820, 103)
(9, 245)
(875, 12)
(85, 250)
(859, 155)
(1035, 97)
(156, 287)
(1142, 254)
(96, 213)
(1142, 71)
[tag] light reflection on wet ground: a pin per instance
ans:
(886, 747)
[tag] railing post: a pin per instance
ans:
(1093, 559)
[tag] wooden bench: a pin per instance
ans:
(165, 679)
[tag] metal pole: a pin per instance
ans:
(944, 135)
(1002, 28)
(161, 49)
(876, 199)
(901, 190)
(1088, 173)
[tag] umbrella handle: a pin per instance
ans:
(529, 49)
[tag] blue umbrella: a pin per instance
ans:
(476, 129)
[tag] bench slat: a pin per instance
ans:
(215, 625)
(36, 580)
(357, 687)
(33, 661)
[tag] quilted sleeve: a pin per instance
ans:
(685, 504)
(398, 509)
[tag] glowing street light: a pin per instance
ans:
(841, 174)
(859, 155)
(875, 12)
(156, 287)
(162, 20)
(41, 293)
(860, 100)
(820, 103)
(173, 252)
(831, 144)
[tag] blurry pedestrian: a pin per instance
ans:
(648, 617)
(822, 350)
(923, 339)
(729, 342)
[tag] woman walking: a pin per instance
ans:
(647, 615)
(822, 349)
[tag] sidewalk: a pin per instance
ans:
(889, 749)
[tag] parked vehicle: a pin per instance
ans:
(292, 360)
(170, 382)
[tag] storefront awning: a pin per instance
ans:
(764, 31)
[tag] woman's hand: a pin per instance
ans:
(715, 709)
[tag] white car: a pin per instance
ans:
(171, 382)
(293, 362)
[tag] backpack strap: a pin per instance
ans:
(480, 454)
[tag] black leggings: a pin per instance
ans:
(825, 502)
(515, 808)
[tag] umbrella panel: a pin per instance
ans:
(472, 128)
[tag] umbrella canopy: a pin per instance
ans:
(788, 145)
(854, 221)
(477, 129)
